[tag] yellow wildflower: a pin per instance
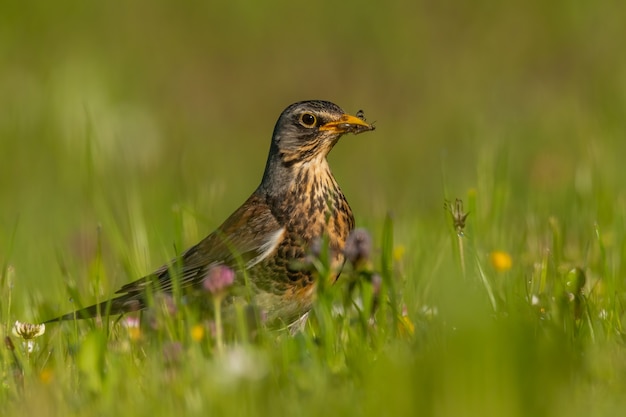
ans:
(46, 376)
(197, 332)
(133, 327)
(501, 261)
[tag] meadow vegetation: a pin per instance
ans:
(130, 130)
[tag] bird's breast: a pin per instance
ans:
(320, 208)
(313, 208)
(309, 208)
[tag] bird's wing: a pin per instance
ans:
(248, 236)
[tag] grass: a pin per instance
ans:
(128, 133)
(514, 330)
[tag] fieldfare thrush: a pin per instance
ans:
(268, 238)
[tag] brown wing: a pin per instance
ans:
(245, 238)
(248, 235)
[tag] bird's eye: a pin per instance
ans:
(307, 120)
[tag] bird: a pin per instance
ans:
(269, 237)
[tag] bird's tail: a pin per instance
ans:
(123, 304)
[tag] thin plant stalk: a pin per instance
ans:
(219, 336)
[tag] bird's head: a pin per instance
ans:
(306, 131)
(303, 136)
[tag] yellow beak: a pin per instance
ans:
(348, 124)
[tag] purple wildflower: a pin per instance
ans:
(218, 279)
(358, 246)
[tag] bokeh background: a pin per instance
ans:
(140, 125)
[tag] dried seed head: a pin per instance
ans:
(458, 214)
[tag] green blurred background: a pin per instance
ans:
(152, 119)
(133, 128)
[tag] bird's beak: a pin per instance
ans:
(347, 124)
